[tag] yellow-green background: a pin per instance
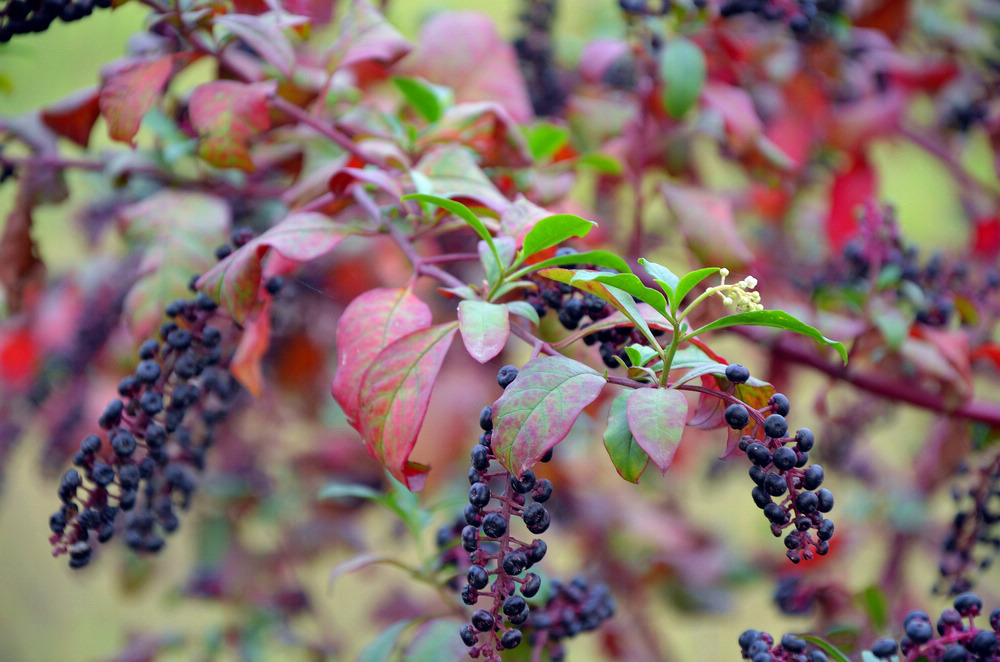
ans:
(50, 613)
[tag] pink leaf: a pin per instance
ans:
(129, 91)
(538, 409)
(264, 35)
(464, 51)
(743, 125)
(227, 114)
(394, 396)
(707, 224)
(485, 328)
(517, 220)
(367, 37)
(235, 281)
(454, 173)
(372, 321)
(656, 419)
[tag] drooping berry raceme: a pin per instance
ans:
(759, 646)
(954, 638)
(971, 541)
(787, 487)
(571, 609)
(137, 474)
(498, 561)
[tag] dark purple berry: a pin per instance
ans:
(784, 458)
(478, 577)
(525, 483)
(470, 538)
(806, 503)
(968, 604)
(780, 404)
(147, 371)
(737, 374)
(825, 497)
(813, 477)
(759, 454)
(536, 518)
(884, 648)
(532, 583)
(775, 426)
(274, 285)
(542, 490)
(919, 632)
(90, 444)
(486, 418)
(536, 552)
(480, 457)
(515, 563)
(956, 653)
(148, 349)
(511, 639)
(468, 635)
(825, 530)
(57, 522)
(473, 516)
(494, 525)
(123, 444)
(506, 375)
(737, 416)
(775, 514)
(479, 495)
(482, 620)
(760, 496)
(103, 474)
(757, 473)
(804, 440)
(775, 484)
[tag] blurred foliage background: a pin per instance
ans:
(49, 613)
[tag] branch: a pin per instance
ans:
(794, 350)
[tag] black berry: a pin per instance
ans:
(737, 374)
(737, 416)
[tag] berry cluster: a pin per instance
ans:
(779, 470)
(535, 55)
(579, 309)
(760, 647)
(139, 470)
(498, 560)
(805, 18)
(972, 527)
(956, 641)
(570, 610)
(27, 16)
(933, 290)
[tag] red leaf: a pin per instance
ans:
(254, 342)
(235, 281)
(464, 51)
(517, 220)
(485, 127)
(986, 237)
(227, 114)
(485, 328)
(737, 109)
(537, 410)
(372, 321)
(454, 173)
(850, 189)
(129, 91)
(394, 396)
(656, 419)
(18, 356)
(74, 116)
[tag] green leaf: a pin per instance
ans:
(426, 98)
(337, 490)
(382, 647)
(629, 283)
(682, 68)
(830, 649)
(688, 282)
(656, 418)
(663, 277)
(616, 297)
(545, 139)
(524, 309)
(506, 248)
(627, 456)
(602, 163)
(537, 410)
(778, 319)
(464, 213)
(553, 230)
(598, 258)
(485, 328)
(877, 606)
(640, 354)
(437, 640)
